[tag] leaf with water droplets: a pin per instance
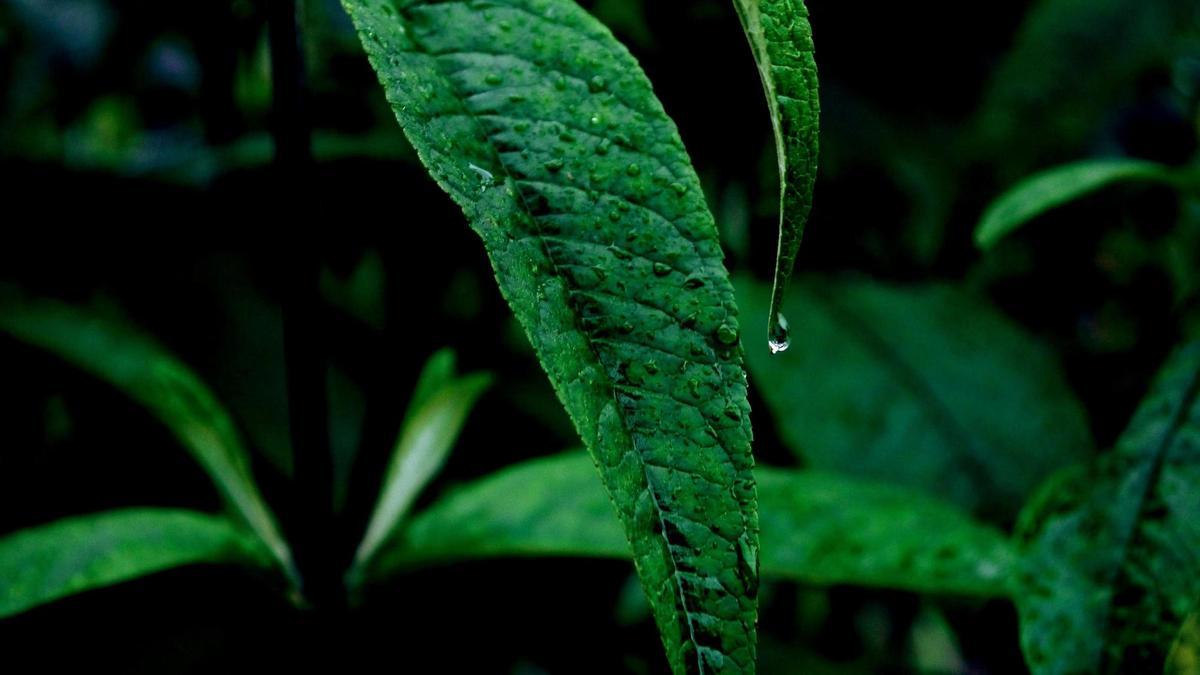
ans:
(603, 245)
(781, 39)
(817, 528)
(1111, 570)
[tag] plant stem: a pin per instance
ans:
(311, 526)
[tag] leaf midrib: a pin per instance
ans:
(908, 376)
(529, 214)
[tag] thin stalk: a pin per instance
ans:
(311, 526)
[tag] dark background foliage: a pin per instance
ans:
(135, 163)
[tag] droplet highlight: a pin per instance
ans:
(778, 338)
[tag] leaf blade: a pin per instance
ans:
(781, 39)
(545, 131)
(920, 385)
(1111, 572)
(1060, 185)
(431, 427)
(43, 564)
(817, 528)
(135, 364)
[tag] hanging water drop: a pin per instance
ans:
(777, 333)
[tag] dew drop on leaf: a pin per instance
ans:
(485, 177)
(777, 333)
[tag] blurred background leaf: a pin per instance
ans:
(72, 555)
(817, 528)
(134, 364)
(924, 386)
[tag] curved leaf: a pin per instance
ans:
(1063, 184)
(42, 564)
(1112, 568)
(432, 424)
(133, 363)
(782, 42)
(924, 386)
(545, 131)
(817, 528)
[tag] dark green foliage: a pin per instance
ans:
(1112, 568)
(817, 528)
(1052, 188)
(134, 364)
(544, 130)
(924, 386)
(45, 563)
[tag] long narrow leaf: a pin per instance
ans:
(782, 42)
(434, 420)
(1052, 188)
(45, 563)
(545, 131)
(817, 528)
(136, 365)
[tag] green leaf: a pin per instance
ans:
(817, 528)
(433, 422)
(135, 364)
(545, 131)
(1112, 566)
(1063, 184)
(925, 386)
(782, 42)
(45, 563)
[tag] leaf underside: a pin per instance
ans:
(922, 385)
(817, 528)
(545, 131)
(1112, 568)
(68, 556)
(781, 39)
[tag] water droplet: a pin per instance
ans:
(554, 165)
(485, 177)
(777, 333)
(493, 79)
(679, 188)
(603, 146)
(661, 269)
(633, 170)
(727, 334)
(597, 84)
